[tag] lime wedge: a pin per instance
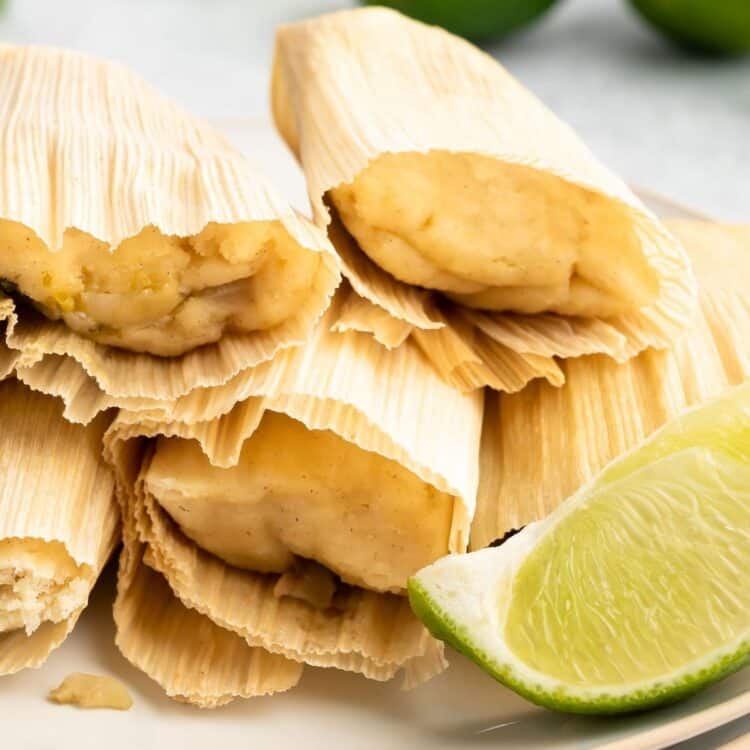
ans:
(633, 593)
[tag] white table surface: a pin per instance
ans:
(675, 124)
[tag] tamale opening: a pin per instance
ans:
(39, 581)
(496, 235)
(298, 495)
(162, 294)
(59, 522)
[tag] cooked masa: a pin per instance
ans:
(162, 294)
(495, 235)
(299, 493)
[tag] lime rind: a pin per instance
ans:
(553, 695)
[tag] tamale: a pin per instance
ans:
(466, 210)
(59, 523)
(137, 242)
(290, 506)
(540, 445)
(278, 503)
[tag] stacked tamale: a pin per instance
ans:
(59, 522)
(466, 215)
(292, 518)
(285, 451)
(144, 256)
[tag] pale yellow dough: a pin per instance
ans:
(92, 691)
(158, 293)
(496, 236)
(39, 582)
(309, 493)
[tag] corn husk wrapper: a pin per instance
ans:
(90, 145)
(541, 445)
(59, 523)
(192, 658)
(7, 362)
(339, 103)
(356, 314)
(8, 357)
(390, 403)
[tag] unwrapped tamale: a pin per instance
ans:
(289, 507)
(539, 446)
(138, 246)
(464, 210)
(59, 522)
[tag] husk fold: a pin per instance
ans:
(339, 103)
(540, 445)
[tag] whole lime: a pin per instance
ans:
(479, 20)
(715, 26)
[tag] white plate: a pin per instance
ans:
(462, 708)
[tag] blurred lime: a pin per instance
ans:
(474, 19)
(717, 26)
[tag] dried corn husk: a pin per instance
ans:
(7, 356)
(541, 445)
(7, 362)
(59, 523)
(356, 314)
(191, 657)
(389, 403)
(339, 103)
(90, 145)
